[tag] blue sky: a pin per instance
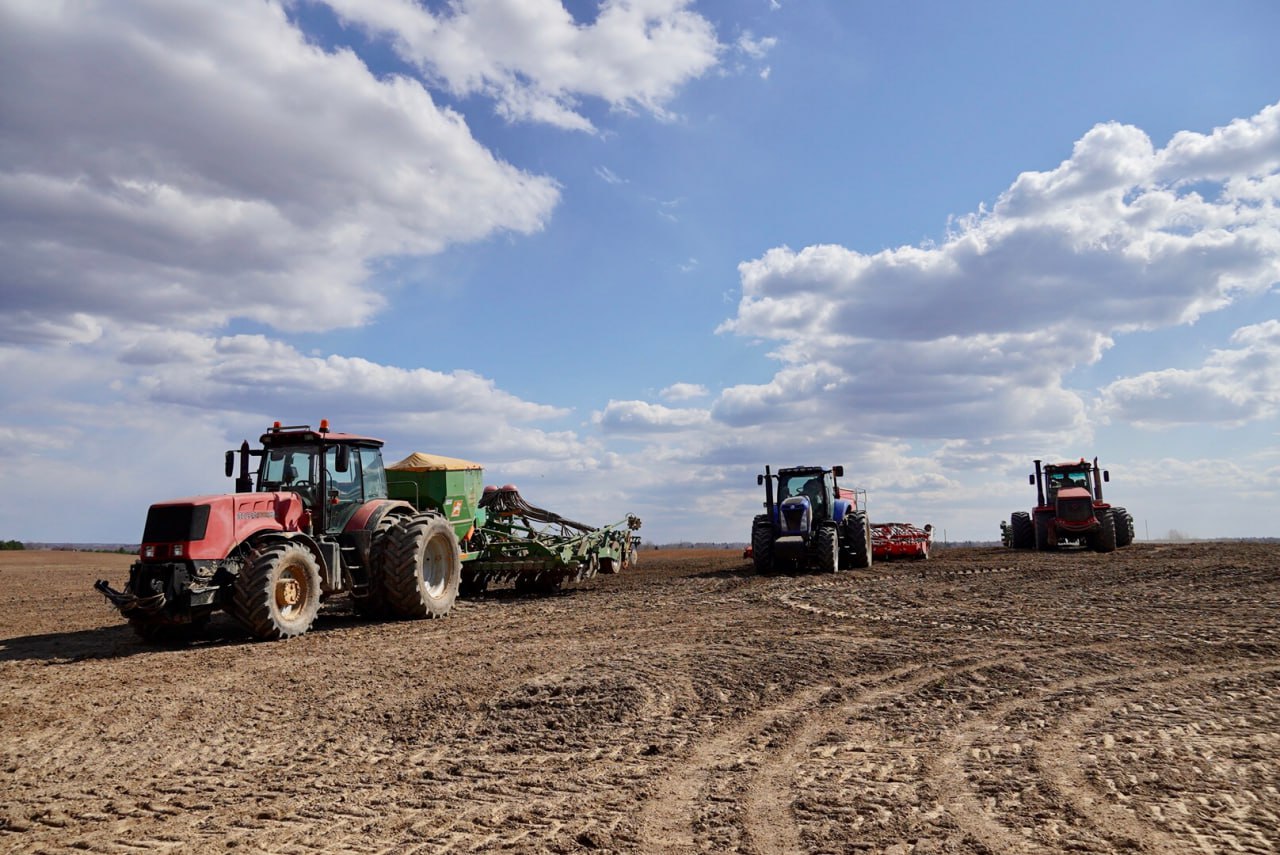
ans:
(626, 253)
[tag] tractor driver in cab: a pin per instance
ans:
(813, 490)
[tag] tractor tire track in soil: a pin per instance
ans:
(983, 701)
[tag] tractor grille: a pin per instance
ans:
(169, 523)
(1075, 510)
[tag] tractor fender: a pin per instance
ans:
(374, 511)
(839, 508)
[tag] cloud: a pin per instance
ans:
(1233, 387)
(183, 166)
(535, 61)
(976, 336)
(753, 47)
(639, 418)
(683, 392)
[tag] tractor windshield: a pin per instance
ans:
(1065, 480)
(803, 484)
(287, 469)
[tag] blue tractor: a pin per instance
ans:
(812, 522)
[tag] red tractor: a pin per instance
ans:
(1070, 509)
(318, 523)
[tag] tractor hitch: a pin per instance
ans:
(128, 603)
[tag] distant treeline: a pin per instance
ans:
(12, 544)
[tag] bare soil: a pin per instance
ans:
(983, 701)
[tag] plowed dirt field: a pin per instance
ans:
(983, 701)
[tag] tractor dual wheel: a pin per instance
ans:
(278, 594)
(1124, 526)
(1042, 532)
(855, 541)
(762, 544)
(423, 567)
(1022, 531)
(372, 603)
(1104, 540)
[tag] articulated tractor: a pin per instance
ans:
(1070, 509)
(812, 523)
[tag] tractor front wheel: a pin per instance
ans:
(828, 546)
(1042, 532)
(423, 567)
(1105, 539)
(762, 544)
(278, 595)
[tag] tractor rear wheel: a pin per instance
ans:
(1124, 526)
(373, 602)
(828, 546)
(1105, 539)
(1042, 531)
(762, 544)
(278, 595)
(855, 540)
(423, 567)
(1023, 533)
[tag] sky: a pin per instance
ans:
(626, 253)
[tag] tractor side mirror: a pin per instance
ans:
(343, 461)
(759, 480)
(837, 471)
(231, 463)
(1106, 476)
(1031, 479)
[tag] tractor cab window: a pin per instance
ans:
(346, 484)
(375, 476)
(286, 469)
(1066, 480)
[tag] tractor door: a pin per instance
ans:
(346, 490)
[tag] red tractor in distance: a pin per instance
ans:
(318, 523)
(1070, 509)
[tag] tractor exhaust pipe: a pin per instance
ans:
(243, 484)
(1097, 481)
(1039, 486)
(768, 491)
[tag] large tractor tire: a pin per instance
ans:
(278, 595)
(423, 567)
(1124, 526)
(856, 541)
(373, 602)
(1105, 538)
(1022, 531)
(762, 544)
(1042, 532)
(827, 543)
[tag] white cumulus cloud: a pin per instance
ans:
(186, 164)
(536, 62)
